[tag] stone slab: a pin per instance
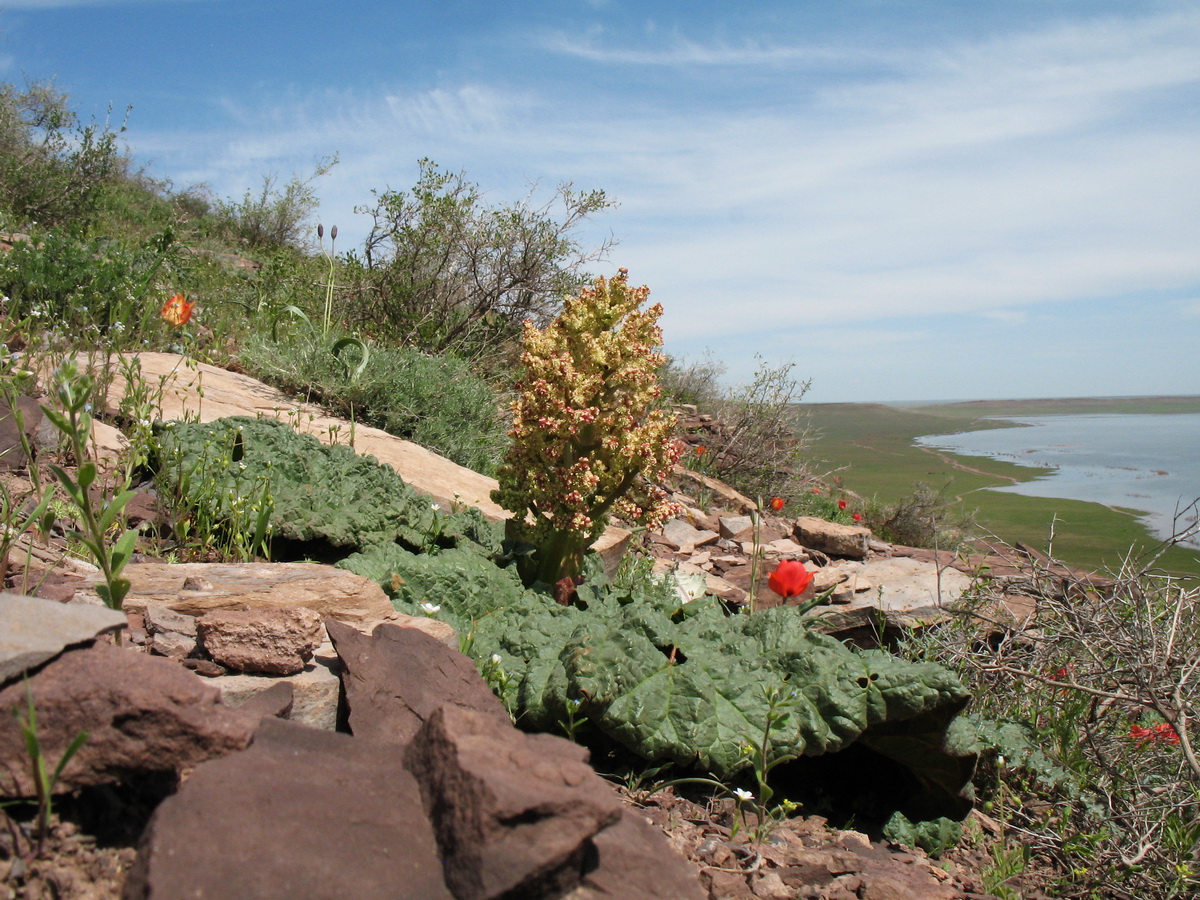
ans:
(316, 692)
(331, 592)
(33, 630)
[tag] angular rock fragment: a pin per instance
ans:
(514, 813)
(849, 541)
(634, 859)
(141, 713)
(396, 678)
(276, 641)
(300, 814)
(33, 630)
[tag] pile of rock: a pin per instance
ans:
(434, 793)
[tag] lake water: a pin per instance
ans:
(1150, 463)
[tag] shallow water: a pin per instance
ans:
(1149, 463)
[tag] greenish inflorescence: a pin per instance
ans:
(587, 439)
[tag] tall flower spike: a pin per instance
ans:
(588, 441)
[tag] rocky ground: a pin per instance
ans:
(199, 748)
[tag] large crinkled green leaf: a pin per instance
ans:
(691, 685)
(326, 494)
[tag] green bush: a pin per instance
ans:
(443, 271)
(762, 449)
(434, 401)
(273, 216)
(923, 518)
(54, 171)
(87, 289)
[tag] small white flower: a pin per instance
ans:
(496, 660)
(434, 507)
(430, 608)
(743, 794)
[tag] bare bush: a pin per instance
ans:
(1104, 678)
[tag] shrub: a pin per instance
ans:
(923, 518)
(54, 171)
(271, 217)
(1104, 683)
(442, 270)
(761, 449)
(695, 383)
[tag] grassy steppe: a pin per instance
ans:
(874, 443)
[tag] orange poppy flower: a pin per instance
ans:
(177, 311)
(777, 503)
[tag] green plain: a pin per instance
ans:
(870, 447)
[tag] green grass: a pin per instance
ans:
(874, 444)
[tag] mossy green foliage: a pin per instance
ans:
(320, 494)
(434, 401)
(688, 683)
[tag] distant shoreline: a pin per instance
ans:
(1066, 406)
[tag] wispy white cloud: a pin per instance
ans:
(674, 50)
(983, 178)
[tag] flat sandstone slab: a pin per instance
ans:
(197, 588)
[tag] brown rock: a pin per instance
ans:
(270, 641)
(513, 812)
(275, 702)
(849, 541)
(316, 691)
(635, 859)
(685, 537)
(737, 528)
(171, 633)
(300, 814)
(142, 714)
(396, 678)
(726, 885)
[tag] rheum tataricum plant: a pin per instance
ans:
(587, 440)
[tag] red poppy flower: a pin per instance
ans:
(1165, 732)
(777, 503)
(700, 451)
(177, 311)
(841, 504)
(791, 578)
(816, 490)
(858, 517)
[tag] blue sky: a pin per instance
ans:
(908, 200)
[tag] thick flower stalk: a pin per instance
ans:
(587, 440)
